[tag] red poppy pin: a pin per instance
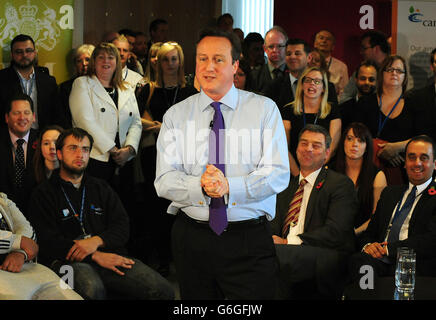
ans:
(432, 191)
(319, 185)
(34, 145)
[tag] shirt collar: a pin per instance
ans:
(230, 99)
(292, 78)
(14, 138)
(32, 75)
(420, 188)
(281, 67)
(311, 178)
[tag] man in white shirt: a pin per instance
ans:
(313, 229)
(130, 76)
(401, 220)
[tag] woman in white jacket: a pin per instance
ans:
(102, 104)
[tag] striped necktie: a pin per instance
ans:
(294, 209)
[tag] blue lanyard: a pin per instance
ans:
(380, 124)
(304, 117)
(80, 216)
(24, 87)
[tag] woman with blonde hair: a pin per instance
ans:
(102, 104)
(154, 100)
(310, 106)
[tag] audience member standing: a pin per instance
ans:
(23, 76)
(154, 100)
(274, 47)
(338, 71)
(82, 56)
(311, 105)
(158, 30)
(131, 77)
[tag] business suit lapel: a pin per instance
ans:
(422, 203)
(320, 180)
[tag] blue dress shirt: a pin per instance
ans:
(256, 156)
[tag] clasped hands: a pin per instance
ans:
(376, 249)
(213, 182)
(84, 247)
(391, 152)
(120, 155)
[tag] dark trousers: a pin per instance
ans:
(308, 272)
(239, 264)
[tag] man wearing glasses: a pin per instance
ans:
(23, 76)
(274, 47)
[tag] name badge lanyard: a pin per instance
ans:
(380, 123)
(304, 117)
(24, 87)
(79, 217)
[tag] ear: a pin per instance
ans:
(235, 67)
(327, 153)
(59, 154)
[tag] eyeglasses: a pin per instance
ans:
(392, 70)
(21, 51)
(73, 148)
(276, 46)
(311, 80)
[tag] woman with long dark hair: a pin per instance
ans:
(354, 158)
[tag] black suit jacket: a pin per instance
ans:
(280, 91)
(7, 171)
(422, 226)
(330, 212)
(47, 96)
(424, 108)
(260, 79)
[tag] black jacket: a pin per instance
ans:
(55, 224)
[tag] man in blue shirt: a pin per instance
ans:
(250, 167)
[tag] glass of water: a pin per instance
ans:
(405, 270)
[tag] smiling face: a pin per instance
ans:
(296, 58)
(105, 65)
(354, 147)
(215, 68)
(324, 41)
(366, 80)
(311, 152)
(20, 118)
(48, 145)
(420, 163)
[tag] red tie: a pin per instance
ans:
(294, 209)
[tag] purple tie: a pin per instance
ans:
(217, 208)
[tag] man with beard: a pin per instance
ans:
(23, 76)
(80, 222)
(365, 78)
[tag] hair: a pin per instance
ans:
(325, 107)
(245, 66)
(317, 129)
(386, 64)
(19, 96)
(164, 50)
(83, 49)
(222, 17)
(110, 49)
(433, 52)
(127, 32)
(22, 38)
(296, 41)
(121, 38)
(377, 38)
(322, 61)
(278, 29)
(155, 24)
(250, 38)
(77, 133)
(423, 138)
(366, 63)
(38, 158)
(234, 40)
(365, 180)
(149, 74)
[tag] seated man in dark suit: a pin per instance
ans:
(25, 77)
(313, 228)
(17, 147)
(405, 217)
